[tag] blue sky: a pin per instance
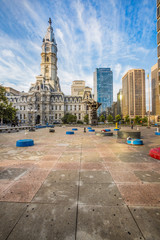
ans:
(120, 34)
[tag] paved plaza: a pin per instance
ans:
(78, 187)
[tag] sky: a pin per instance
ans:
(120, 34)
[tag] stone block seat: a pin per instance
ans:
(155, 153)
(106, 130)
(157, 133)
(51, 130)
(69, 133)
(133, 141)
(24, 143)
(91, 130)
(104, 133)
(74, 129)
(116, 129)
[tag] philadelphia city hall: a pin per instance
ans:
(45, 102)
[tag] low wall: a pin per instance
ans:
(129, 133)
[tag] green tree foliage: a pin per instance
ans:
(86, 118)
(110, 118)
(137, 119)
(127, 119)
(79, 122)
(118, 118)
(7, 112)
(102, 118)
(145, 120)
(69, 118)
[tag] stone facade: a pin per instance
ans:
(45, 102)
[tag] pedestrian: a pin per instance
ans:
(84, 130)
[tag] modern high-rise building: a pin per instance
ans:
(155, 92)
(133, 89)
(119, 102)
(103, 88)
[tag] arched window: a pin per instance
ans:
(47, 59)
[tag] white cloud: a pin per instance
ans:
(7, 53)
(103, 34)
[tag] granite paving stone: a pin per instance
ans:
(9, 216)
(20, 191)
(148, 176)
(46, 221)
(78, 187)
(103, 194)
(12, 173)
(98, 223)
(140, 194)
(57, 193)
(148, 220)
(124, 177)
(95, 177)
(62, 176)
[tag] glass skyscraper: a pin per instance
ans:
(103, 88)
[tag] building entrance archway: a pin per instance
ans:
(38, 119)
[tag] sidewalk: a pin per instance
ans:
(78, 187)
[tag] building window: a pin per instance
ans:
(56, 116)
(20, 107)
(66, 108)
(59, 107)
(60, 116)
(71, 107)
(20, 116)
(24, 116)
(56, 107)
(47, 59)
(79, 107)
(24, 108)
(52, 107)
(74, 107)
(79, 116)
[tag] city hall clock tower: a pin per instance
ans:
(49, 60)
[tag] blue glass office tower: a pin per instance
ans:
(103, 88)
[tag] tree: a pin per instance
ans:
(137, 119)
(102, 118)
(145, 120)
(65, 118)
(69, 118)
(10, 113)
(127, 119)
(3, 103)
(7, 112)
(118, 118)
(110, 118)
(86, 118)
